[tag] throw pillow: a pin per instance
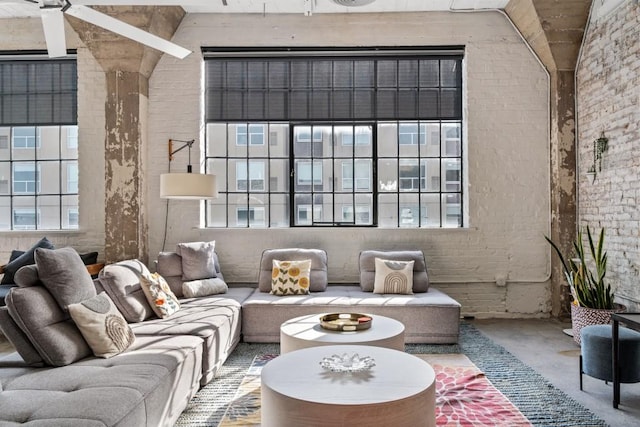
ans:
(393, 277)
(64, 274)
(49, 328)
(162, 301)
(290, 277)
(27, 276)
(197, 260)
(121, 281)
(26, 258)
(204, 287)
(102, 325)
(15, 254)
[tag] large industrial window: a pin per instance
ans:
(358, 138)
(38, 143)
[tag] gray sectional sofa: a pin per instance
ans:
(151, 383)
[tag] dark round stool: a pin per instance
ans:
(596, 358)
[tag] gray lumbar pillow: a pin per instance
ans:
(197, 260)
(64, 274)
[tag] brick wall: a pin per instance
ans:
(497, 267)
(608, 95)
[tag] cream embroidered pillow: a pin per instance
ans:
(290, 277)
(102, 326)
(162, 300)
(393, 277)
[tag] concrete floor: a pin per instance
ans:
(543, 346)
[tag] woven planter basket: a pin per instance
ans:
(585, 316)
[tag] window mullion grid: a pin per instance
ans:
(267, 174)
(398, 173)
(60, 176)
(37, 176)
(248, 176)
(353, 172)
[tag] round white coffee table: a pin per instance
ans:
(305, 332)
(398, 391)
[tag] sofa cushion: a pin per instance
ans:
(64, 274)
(146, 386)
(25, 259)
(48, 327)
(318, 277)
(121, 281)
(215, 319)
(197, 260)
(102, 325)
(290, 277)
(204, 287)
(18, 339)
(169, 265)
(159, 296)
(367, 266)
(393, 277)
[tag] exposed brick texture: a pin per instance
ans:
(608, 96)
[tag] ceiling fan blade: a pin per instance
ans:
(134, 33)
(143, 2)
(53, 25)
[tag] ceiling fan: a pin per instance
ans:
(52, 14)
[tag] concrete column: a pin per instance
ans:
(563, 183)
(125, 223)
(128, 66)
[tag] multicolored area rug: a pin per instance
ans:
(464, 396)
(541, 403)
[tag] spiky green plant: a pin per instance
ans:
(588, 287)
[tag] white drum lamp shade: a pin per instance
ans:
(188, 186)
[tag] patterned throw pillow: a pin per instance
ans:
(102, 325)
(163, 302)
(290, 277)
(393, 277)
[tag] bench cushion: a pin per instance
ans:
(367, 266)
(318, 277)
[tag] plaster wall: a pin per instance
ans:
(496, 267)
(608, 95)
(25, 34)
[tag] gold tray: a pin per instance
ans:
(345, 322)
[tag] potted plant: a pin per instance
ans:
(593, 300)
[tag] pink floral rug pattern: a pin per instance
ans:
(464, 396)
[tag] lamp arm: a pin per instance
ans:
(186, 144)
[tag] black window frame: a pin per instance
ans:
(397, 89)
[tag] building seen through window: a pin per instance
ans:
(356, 141)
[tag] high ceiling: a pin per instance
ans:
(24, 8)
